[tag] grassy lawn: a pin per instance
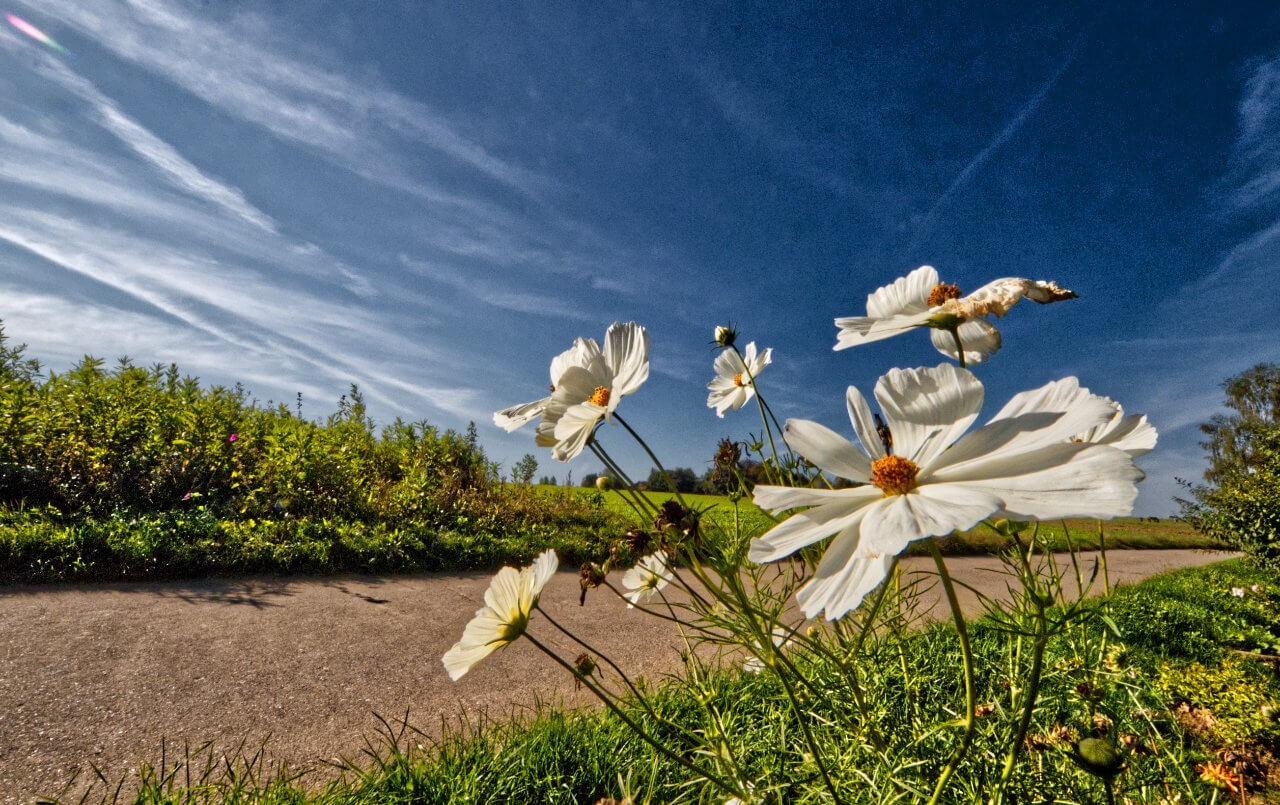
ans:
(1123, 533)
(1173, 679)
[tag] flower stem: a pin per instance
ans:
(661, 469)
(966, 652)
(746, 370)
(638, 502)
(1031, 692)
(955, 334)
(633, 726)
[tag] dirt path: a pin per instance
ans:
(102, 673)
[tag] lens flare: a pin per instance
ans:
(35, 33)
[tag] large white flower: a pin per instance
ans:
(592, 390)
(920, 300)
(507, 603)
(732, 386)
(933, 479)
(1132, 434)
(517, 416)
(648, 576)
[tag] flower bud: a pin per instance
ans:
(726, 336)
(604, 483)
(1098, 757)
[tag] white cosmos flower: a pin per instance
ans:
(591, 390)
(920, 300)
(504, 616)
(1021, 465)
(782, 639)
(517, 416)
(1132, 434)
(648, 576)
(732, 386)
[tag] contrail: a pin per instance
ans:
(1011, 128)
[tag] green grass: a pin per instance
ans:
(1174, 631)
(1122, 533)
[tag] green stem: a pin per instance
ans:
(955, 334)
(1031, 692)
(656, 462)
(632, 725)
(970, 695)
(1102, 555)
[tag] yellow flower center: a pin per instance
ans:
(737, 380)
(894, 474)
(599, 397)
(942, 293)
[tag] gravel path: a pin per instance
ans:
(101, 673)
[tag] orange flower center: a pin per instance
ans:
(894, 474)
(553, 388)
(942, 293)
(599, 397)
(737, 380)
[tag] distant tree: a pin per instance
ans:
(1240, 501)
(684, 479)
(547, 480)
(1253, 397)
(522, 472)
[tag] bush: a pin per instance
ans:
(134, 471)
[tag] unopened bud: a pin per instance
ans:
(1098, 757)
(726, 336)
(604, 483)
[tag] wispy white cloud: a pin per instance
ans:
(497, 294)
(234, 66)
(1011, 128)
(155, 151)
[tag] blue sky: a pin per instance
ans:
(431, 200)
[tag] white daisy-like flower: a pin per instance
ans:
(732, 387)
(935, 479)
(1132, 434)
(921, 300)
(648, 576)
(507, 603)
(517, 416)
(593, 389)
(782, 639)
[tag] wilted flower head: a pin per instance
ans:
(673, 517)
(590, 576)
(1020, 465)
(728, 454)
(507, 603)
(920, 300)
(585, 393)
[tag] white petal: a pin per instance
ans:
(927, 409)
(626, 351)
(856, 330)
(863, 423)
(542, 571)
(574, 428)
(510, 419)
(1055, 412)
(758, 364)
(827, 449)
(808, 527)
(577, 355)
(843, 578)
(728, 365)
(1139, 439)
(781, 498)
(979, 337)
(576, 385)
(901, 519)
(907, 294)
(1062, 480)
(503, 593)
